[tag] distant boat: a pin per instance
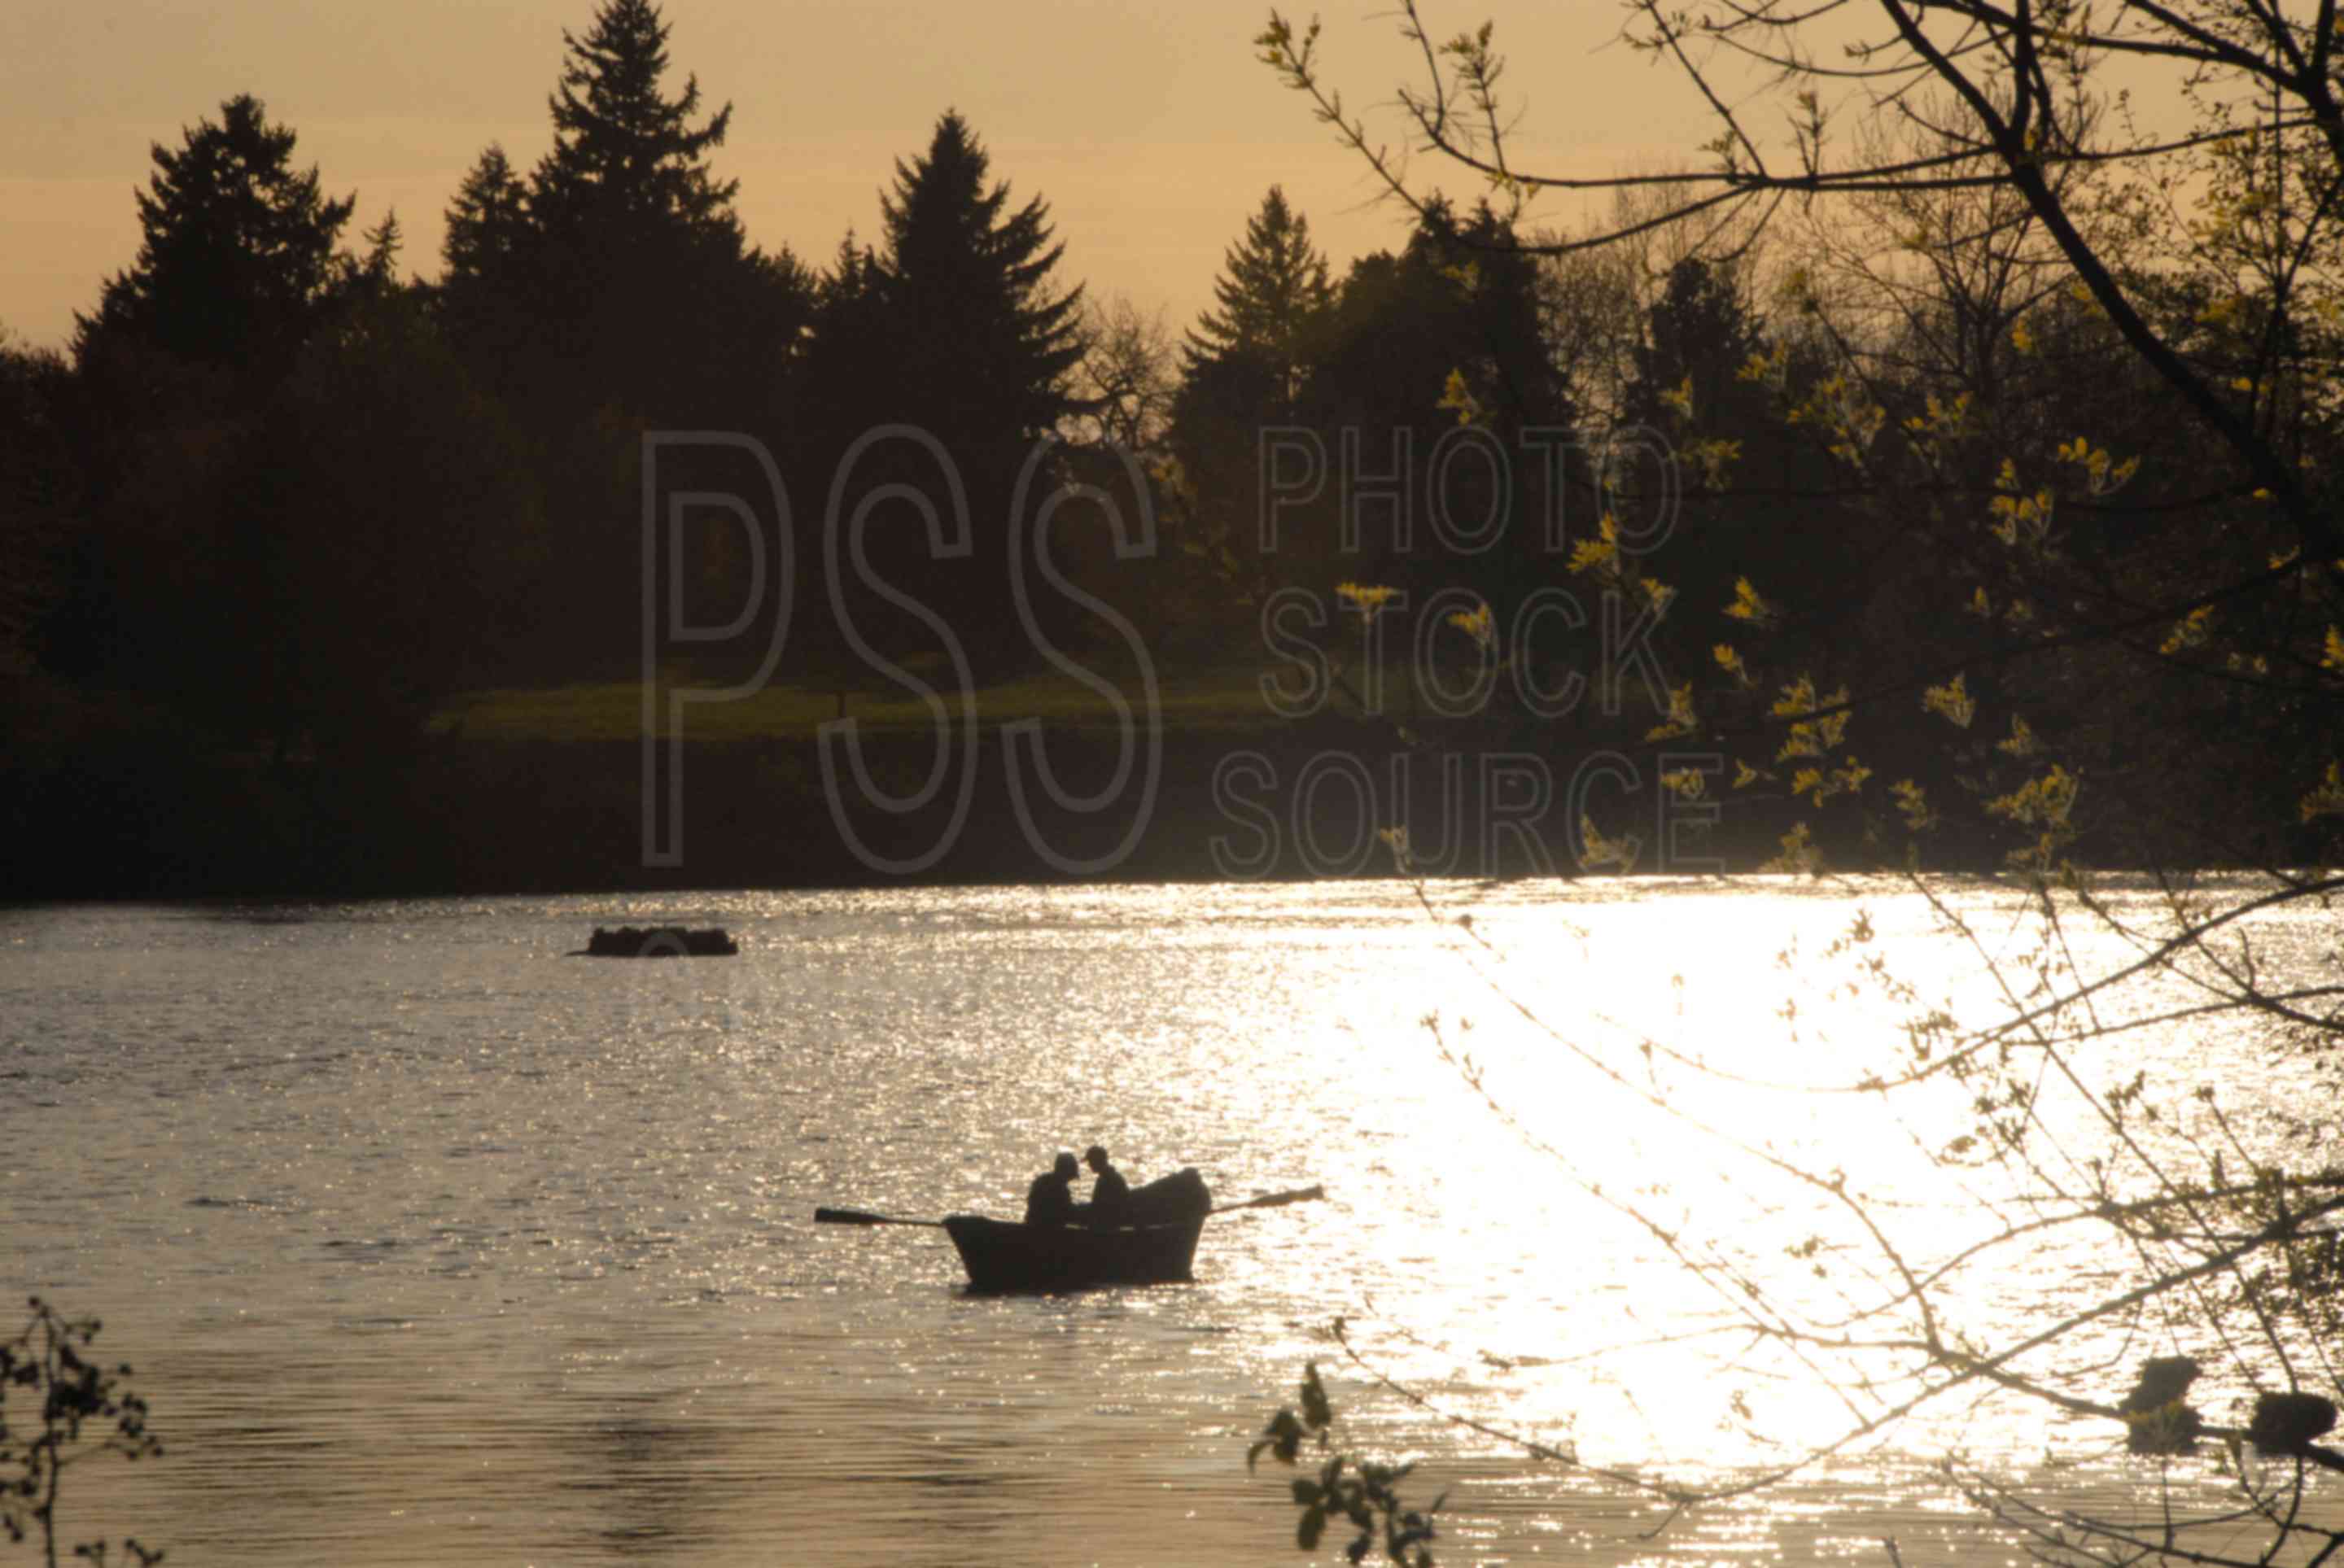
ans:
(658, 942)
(1002, 1255)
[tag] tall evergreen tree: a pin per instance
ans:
(1274, 295)
(953, 325)
(989, 343)
(386, 583)
(629, 221)
(846, 379)
(481, 261)
(983, 343)
(237, 259)
(488, 219)
(1245, 366)
(620, 146)
(1446, 328)
(617, 279)
(614, 291)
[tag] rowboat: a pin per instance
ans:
(1159, 1248)
(1156, 1244)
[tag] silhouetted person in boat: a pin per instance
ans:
(1051, 1199)
(1110, 1194)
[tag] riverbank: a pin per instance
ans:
(482, 816)
(1200, 776)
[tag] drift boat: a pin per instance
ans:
(1155, 1246)
(1159, 1247)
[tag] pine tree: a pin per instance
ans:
(953, 327)
(371, 278)
(846, 379)
(616, 279)
(487, 221)
(634, 237)
(1248, 364)
(1699, 336)
(987, 345)
(238, 257)
(1274, 295)
(622, 149)
(483, 287)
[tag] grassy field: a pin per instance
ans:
(784, 710)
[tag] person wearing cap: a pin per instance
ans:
(1110, 1194)
(1050, 1201)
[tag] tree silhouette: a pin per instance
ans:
(1699, 335)
(482, 259)
(1246, 365)
(1274, 296)
(388, 582)
(954, 326)
(37, 503)
(617, 279)
(613, 291)
(237, 257)
(1441, 334)
(986, 346)
(488, 219)
(1752, 508)
(1130, 371)
(618, 143)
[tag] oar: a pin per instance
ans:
(857, 1217)
(1274, 1200)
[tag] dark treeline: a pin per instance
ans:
(282, 504)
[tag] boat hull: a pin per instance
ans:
(1002, 1256)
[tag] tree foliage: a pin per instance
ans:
(237, 257)
(1271, 300)
(2061, 390)
(956, 327)
(984, 336)
(49, 1361)
(616, 277)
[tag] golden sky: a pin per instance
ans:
(1151, 129)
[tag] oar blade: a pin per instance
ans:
(1276, 1200)
(1309, 1194)
(859, 1217)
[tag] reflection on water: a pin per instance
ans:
(431, 1245)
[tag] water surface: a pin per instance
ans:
(432, 1244)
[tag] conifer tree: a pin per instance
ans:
(1699, 335)
(616, 279)
(1273, 295)
(483, 281)
(954, 326)
(634, 236)
(989, 346)
(372, 277)
(238, 258)
(622, 149)
(844, 379)
(487, 220)
(1248, 364)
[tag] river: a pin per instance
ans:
(430, 1244)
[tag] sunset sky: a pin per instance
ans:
(1152, 130)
